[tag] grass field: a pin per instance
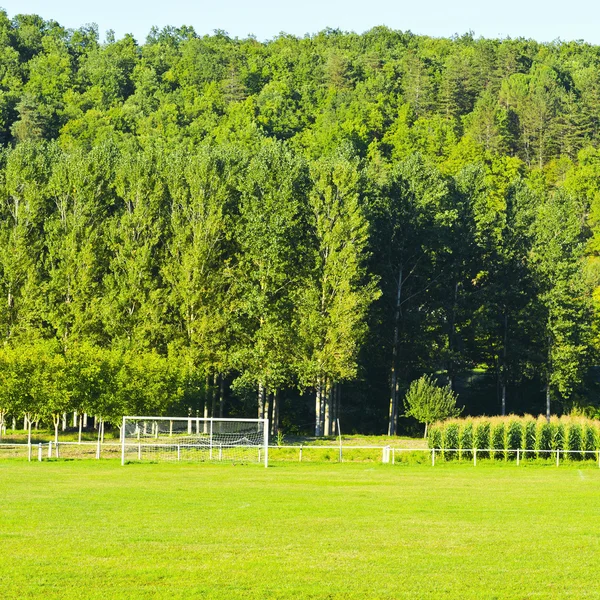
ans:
(94, 529)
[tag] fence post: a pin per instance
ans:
(385, 455)
(40, 452)
(557, 456)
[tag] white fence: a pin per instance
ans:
(385, 454)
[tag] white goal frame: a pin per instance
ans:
(191, 422)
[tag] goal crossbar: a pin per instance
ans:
(194, 438)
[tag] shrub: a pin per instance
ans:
(427, 402)
(466, 440)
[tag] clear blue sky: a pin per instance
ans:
(538, 19)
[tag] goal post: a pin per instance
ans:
(195, 439)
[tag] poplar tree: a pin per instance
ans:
(337, 293)
(563, 294)
(271, 257)
(134, 297)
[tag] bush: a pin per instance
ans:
(428, 402)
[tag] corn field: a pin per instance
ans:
(500, 437)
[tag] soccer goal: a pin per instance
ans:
(194, 439)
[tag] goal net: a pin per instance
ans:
(194, 439)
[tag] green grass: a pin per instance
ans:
(87, 529)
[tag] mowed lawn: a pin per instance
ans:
(92, 529)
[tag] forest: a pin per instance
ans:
(296, 228)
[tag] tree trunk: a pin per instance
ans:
(80, 424)
(327, 415)
(425, 435)
(393, 415)
(206, 393)
(548, 401)
(504, 353)
(56, 419)
(213, 408)
(318, 408)
(74, 418)
(334, 388)
(261, 401)
(267, 405)
(451, 336)
(64, 421)
(322, 408)
(275, 421)
(221, 395)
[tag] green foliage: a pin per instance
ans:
(466, 441)
(435, 436)
(545, 438)
(482, 439)
(574, 440)
(427, 402)
(299, 213)
(529, 435)
(498, 439)
(501, 437)
(559, 438)
(514, 437)
(450, 440)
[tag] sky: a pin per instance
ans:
(538, 19)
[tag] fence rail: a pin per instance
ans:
(386, 454)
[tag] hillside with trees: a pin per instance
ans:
(297, 228)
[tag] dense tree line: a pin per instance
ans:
(201, 223)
